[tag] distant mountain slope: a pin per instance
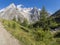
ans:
(10, 12)
(31, 14)
(56, 16)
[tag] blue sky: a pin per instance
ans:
(51, 5)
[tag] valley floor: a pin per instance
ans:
(6, 38)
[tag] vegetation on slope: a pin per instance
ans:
(35, 34)
(27, 36)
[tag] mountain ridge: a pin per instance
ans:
(12, 11)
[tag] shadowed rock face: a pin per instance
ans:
(35, 14)
(56, 16)
(12, 11)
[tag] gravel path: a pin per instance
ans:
(6, 38)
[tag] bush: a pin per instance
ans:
(25, 23)
(14, 25)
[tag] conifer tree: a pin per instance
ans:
(25, 23)
(43, 18)
(14, 19)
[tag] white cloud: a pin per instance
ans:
(39, 9)
(2, 9)
(18, 6)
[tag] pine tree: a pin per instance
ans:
(14, 25)
(19, 21)
(52, 23)
(43, 18)
(14, 19)
(25, 23)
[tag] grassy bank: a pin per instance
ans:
(28, 36)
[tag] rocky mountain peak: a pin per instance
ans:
(11, 11)
(12, 5)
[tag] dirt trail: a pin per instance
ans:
(6, 38)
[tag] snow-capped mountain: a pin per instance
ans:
(11, 11)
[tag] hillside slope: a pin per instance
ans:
(29, 36)
(56, 16)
